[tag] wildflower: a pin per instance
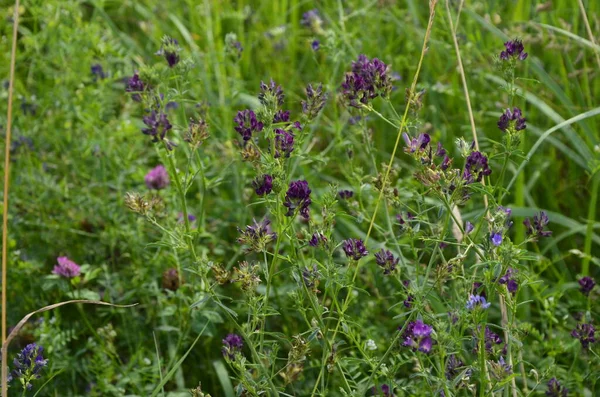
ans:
(555, 389)
(491, 339)
(135, 85)
(408, 301)
(367, 80)
(469, 227)
(312, 19)
(311, 278)
(232, 45)
(157, 178)
(452, 367)
(247, 274)
(417, 335)
(221, 274)
(169, 49)
(476, 301)
(281, 116)
(28, 365)
(284, 143)
(97, 71)
(387, 391)
(315, 101)
(416, 144)
(158, 124)
(500, 369)
(539, 222)
(271, 95)
(476, 167)
(355, 248)
(370, 344)
(586, 285)
(171, 279)
(298, 197)
(247, 124)
(512, 119)
(496, 238)
(508, 279)
(139, 204)
(345, 194)
(315, 45)
(232, 344)
(263, 184)
(66, 268)
(316, 239)
(386, 260)
(513, 49)
(257, 235)
(585, 333)
(197, 132)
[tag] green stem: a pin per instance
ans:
(585, 266)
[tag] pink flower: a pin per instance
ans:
(66, 268)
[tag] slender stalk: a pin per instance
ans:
(11, 84)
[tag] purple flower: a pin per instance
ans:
(169, 49)
(512, 117)
(232, 344)
(98, 72)
(316, 239)
(537, 228)
(453, 366)
(345, 194)
(476, 167)
(281, 116)
(387, 261)
(417, 336)
(135, 85)
(585, 333)
(257, 235)
(491, 339)
(586, 285)
(496, 238)
(354, 248)
(191, 218)
(416, 144)
(386, 391)
(263, 184)
(284, 143)
(408, 301)
(476, 301)
(298, 197)
(513, 49)
(315, 101)
(247, 124)
(508, 279)
(469, 227)
(158, 124)
(315, 45)
(271, 95)
(66, 268)
(367, 80)
(555, 389)
(311, 19)
(28, 365)
(157, 178)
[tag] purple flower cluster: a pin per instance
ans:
(97, 71)
(316, 239)
(298, 197)
(386, 260)
(345, 194)
(284, 143)
(555, 389)
(453, 366)
(536, 228)
(367, 80)
(476, 167)
(158, 124)
(247, 124)
(271, 95)
(513, 49)
(28, 365)
(315, 101)
(496, 238)
(417, 336)
(586, 285)
(66, 268)
(157, 178)
(491, 339)
(232, 344)
(311, 19)
(263, 184)
(512, 117)
(476, 301)
(281, 116)
(416, 144)
(509, 281)
(354, 248)
(586, 333)
(135, 85)
(257, 235)
(169, 50)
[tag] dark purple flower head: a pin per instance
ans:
(263, 184)
(257, 235)
(66, 267)
(416, 144)
(386, 391)
(491, 339)
(386, 260)
(496, 238)
(417, 336)
(315, 44)
(476, 301)
(453, 366)
(509, 280)
(539, 223)
(317, 239)
(512, 117)
(158, 125)
(232, 344)
(284, 143)
(555, 389)
(586, 333)
(169, 49)
(476, 167)
(281, 116)
(586, 285)
(354, 248)
(98, 72)
(469, 227)
(247, 124)
(271, 95)
(157, 178)
(298, 198)
(440, 151)
(135, 85)
(345, 194)
(367, 80)
(28, 365)
(312, 19)
(513, 49)
(315, 101)
(180, 218)
(408, 301)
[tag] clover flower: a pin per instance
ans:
(476, 301)
(387, 261)
(232, 344)
(298, 197)
(317, 239)
(555, 389)
(476, 167)
(491, 339)
(312, 19)
(345, 194)
(257, 235)
(315, 101)
(263, 184)
(453, 365)
(28, 365)
(416, 144)
(417, 336)
(354, 248)
(196, 133)
(513, 49)
(281, 116)
(586, 285)
(586, 333)
(157, 178)
(97, 71)
(158, 124)
(169, 49)
(509, 281)
(271, 95)
(496, 238)
(512, 119)
(247, 124)
(66, 268)
(284, 143)
(135, 85)
(367, 80)
(537, 228)
(500, 369)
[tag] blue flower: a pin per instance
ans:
(475, 301)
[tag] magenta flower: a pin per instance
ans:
(66, 268)
(157, 178)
